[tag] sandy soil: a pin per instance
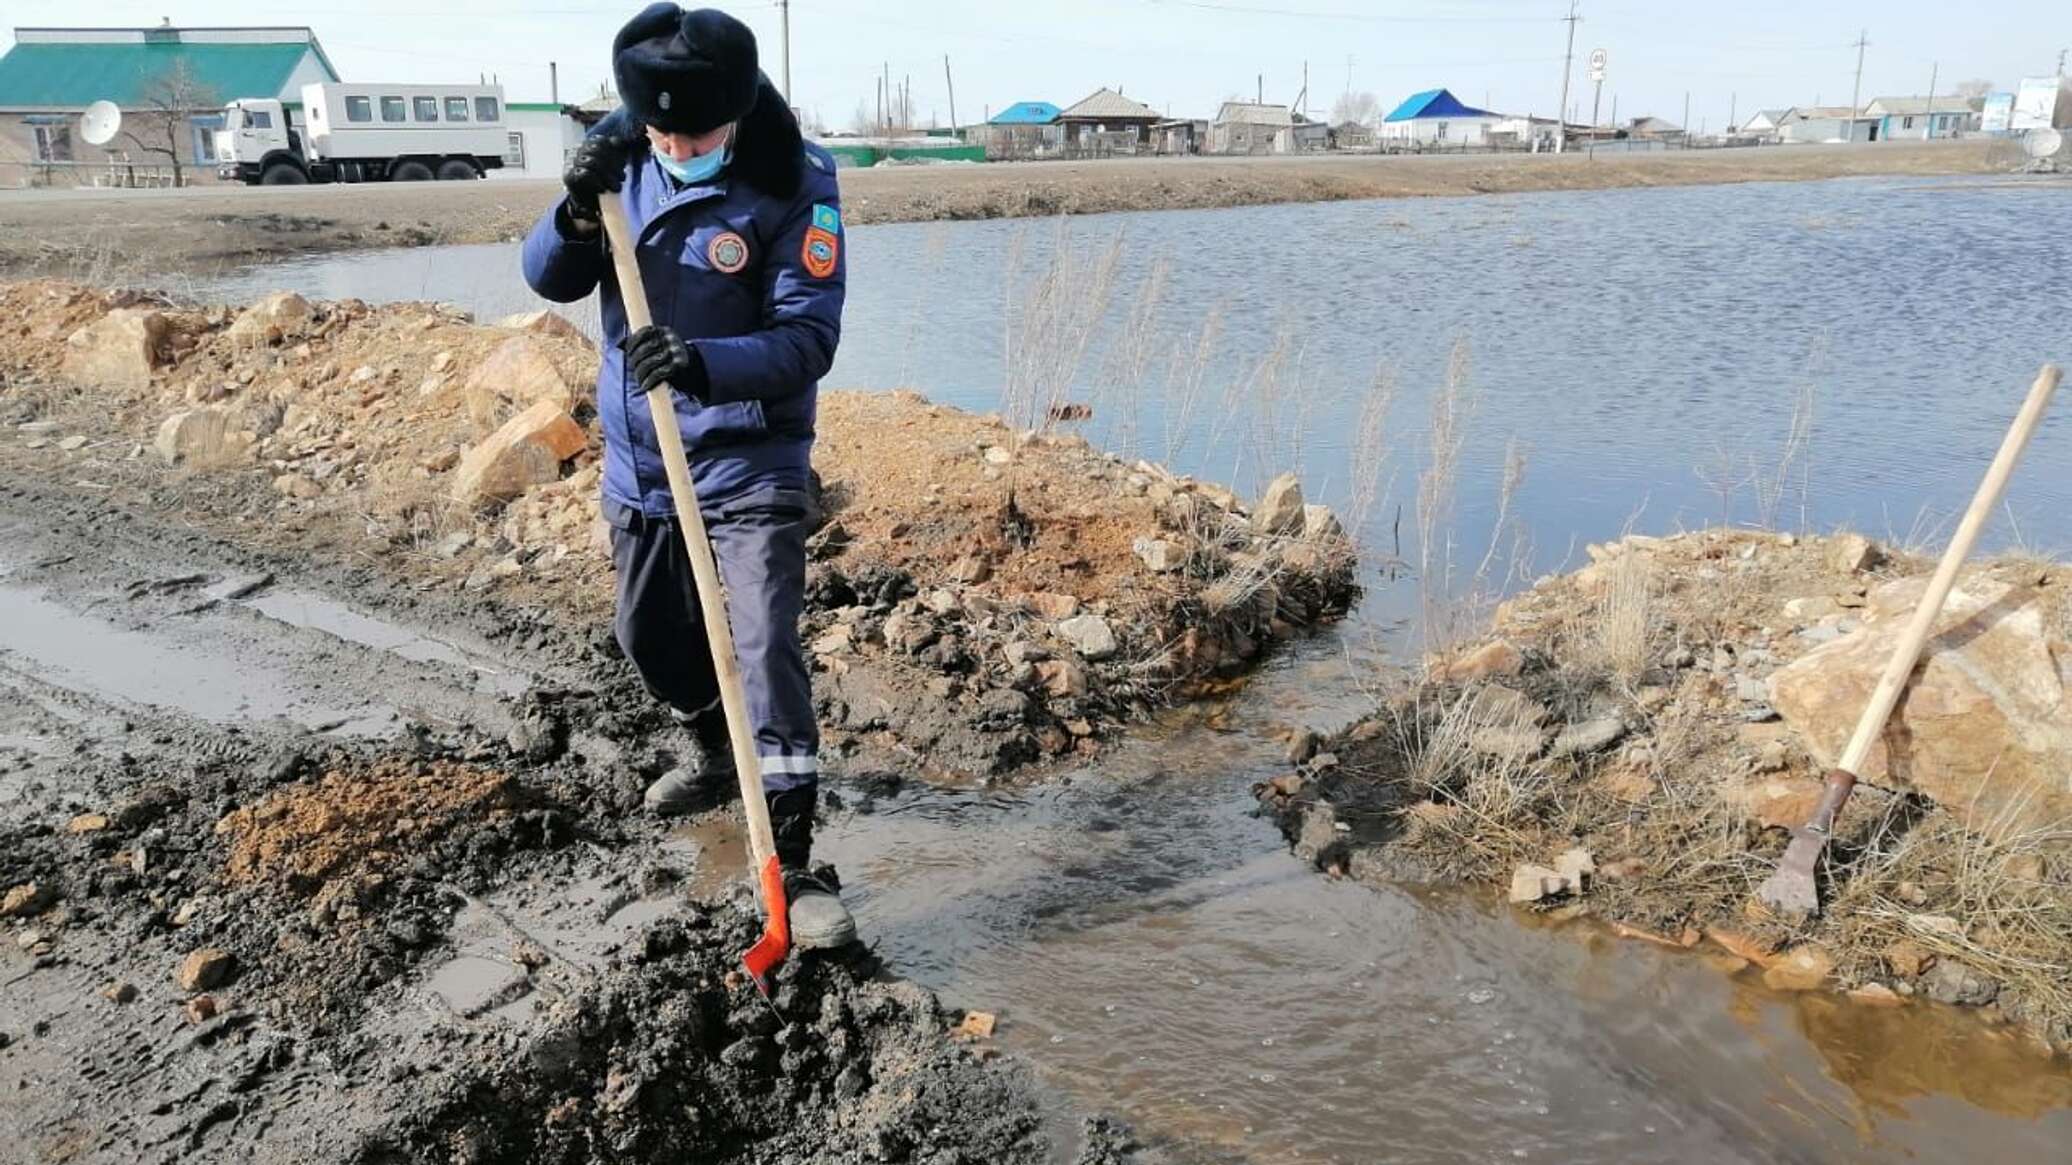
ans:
(99, 235)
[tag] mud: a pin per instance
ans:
(428, 941)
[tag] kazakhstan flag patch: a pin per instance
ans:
(827, 218)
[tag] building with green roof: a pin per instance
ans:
(51, 75)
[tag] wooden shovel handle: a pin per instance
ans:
(712, 602)
(1886, 695)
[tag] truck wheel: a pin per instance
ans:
(457, 170)
(283, 174)
(411, 171)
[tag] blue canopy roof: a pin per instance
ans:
(1027, 113)
(1434, 103)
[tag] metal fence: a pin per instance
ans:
(106, 175)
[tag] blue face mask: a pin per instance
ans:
(701, 169)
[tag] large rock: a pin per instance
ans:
(120, 349)
(199, 438)
(1984, 728)
(520, 373)
(1280, 509)
(1089, 635)
(544, 323)
(273, 319)
(527, 451)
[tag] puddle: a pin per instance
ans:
(1150, 945)
(149, 667)
(473, 985)
(303, 609)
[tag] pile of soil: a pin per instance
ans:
(980, 597)
(1666, 788)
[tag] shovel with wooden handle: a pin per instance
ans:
(1791, 889)
(775, 943)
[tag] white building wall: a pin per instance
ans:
(548, 137)
(1438, 132)
(308, 71)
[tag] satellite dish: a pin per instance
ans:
(2044, 143)
(99, 123)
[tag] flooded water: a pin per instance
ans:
(1151, 946)
(1147, 942)
(1647, 349)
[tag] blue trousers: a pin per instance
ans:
(759, 540)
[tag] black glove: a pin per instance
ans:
(659, 357)
(598, 168)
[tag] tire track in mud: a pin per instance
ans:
(516, 977)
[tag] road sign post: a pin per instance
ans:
(1598, 57)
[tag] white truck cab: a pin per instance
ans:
(365, 133)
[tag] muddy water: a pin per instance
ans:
(1151, 945)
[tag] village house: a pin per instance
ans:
(1026, 129)
(1827, 123)
(1920, 118)
(1436, 120)
(1107, 123)
(1655, 129)
(1180, 135)
(1243, 127)
(170, 83)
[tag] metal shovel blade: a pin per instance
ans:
(1791, 889)
(771, 949)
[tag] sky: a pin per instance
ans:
(1186, 56)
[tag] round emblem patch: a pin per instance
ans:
(727, 252)
(819, 252)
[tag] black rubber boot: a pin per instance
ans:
(819, 921)
(688, 788)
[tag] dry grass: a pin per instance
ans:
(1623, 636)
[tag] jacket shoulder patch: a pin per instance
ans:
(819, 251)
(827, 218)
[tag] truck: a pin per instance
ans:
(364, 133)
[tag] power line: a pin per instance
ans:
(1361, 17)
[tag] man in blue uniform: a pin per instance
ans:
(740, 229)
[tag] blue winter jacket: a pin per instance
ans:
(753, 281)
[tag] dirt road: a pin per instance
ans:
(104, 236)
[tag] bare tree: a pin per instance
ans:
(1974, 89)
(165, 124)
(1362, 108)
(863, 122)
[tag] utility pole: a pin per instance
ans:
(1928, 122)
(554, 82)
(1687, 119)
(1568, 63)
(1863, 41)
(1261, 98)
(784, 22)
(1733, 109)
(1305, 89)
(952, 87)
(1349, 71)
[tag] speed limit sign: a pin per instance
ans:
(1597, 59)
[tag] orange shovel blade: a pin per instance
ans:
(770, 949)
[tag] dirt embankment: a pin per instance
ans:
(1635, 742)
(979, 599)
(105, 235)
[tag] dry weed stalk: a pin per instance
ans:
(1624, 617)
(1435, 502)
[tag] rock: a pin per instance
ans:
(1776, 802)
(1953, 982)
(1530, 883)
(1003, 708)
(1319, 524)
(1850, 553)
(544, 323)
(941, 602)
(1052, 607)
(442, 361)
(1062, 677)
(204, 969)
(1908, 959)
(1089, 635)
(1746, 946)
(998, 455)
(1497, 706)
(1772, 757)
(1876, 995)
(26, 899)
(200, 1009)
(72, 444)
(272, 319)
(1589, 736)
(200, 438)
(521, 371)
(1280, 509)
(1984, 728)
(1576, 865)
(1222, 498)
(1808, 609)
(1752, 691)
(87, 823)
(119, 350)
(1800, 969)
(971, 569)
(1497, 659)
(119, 992)
(527, 451)
(1021, 651)
(1159, 555)
(977, 1025)
(364, 374)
